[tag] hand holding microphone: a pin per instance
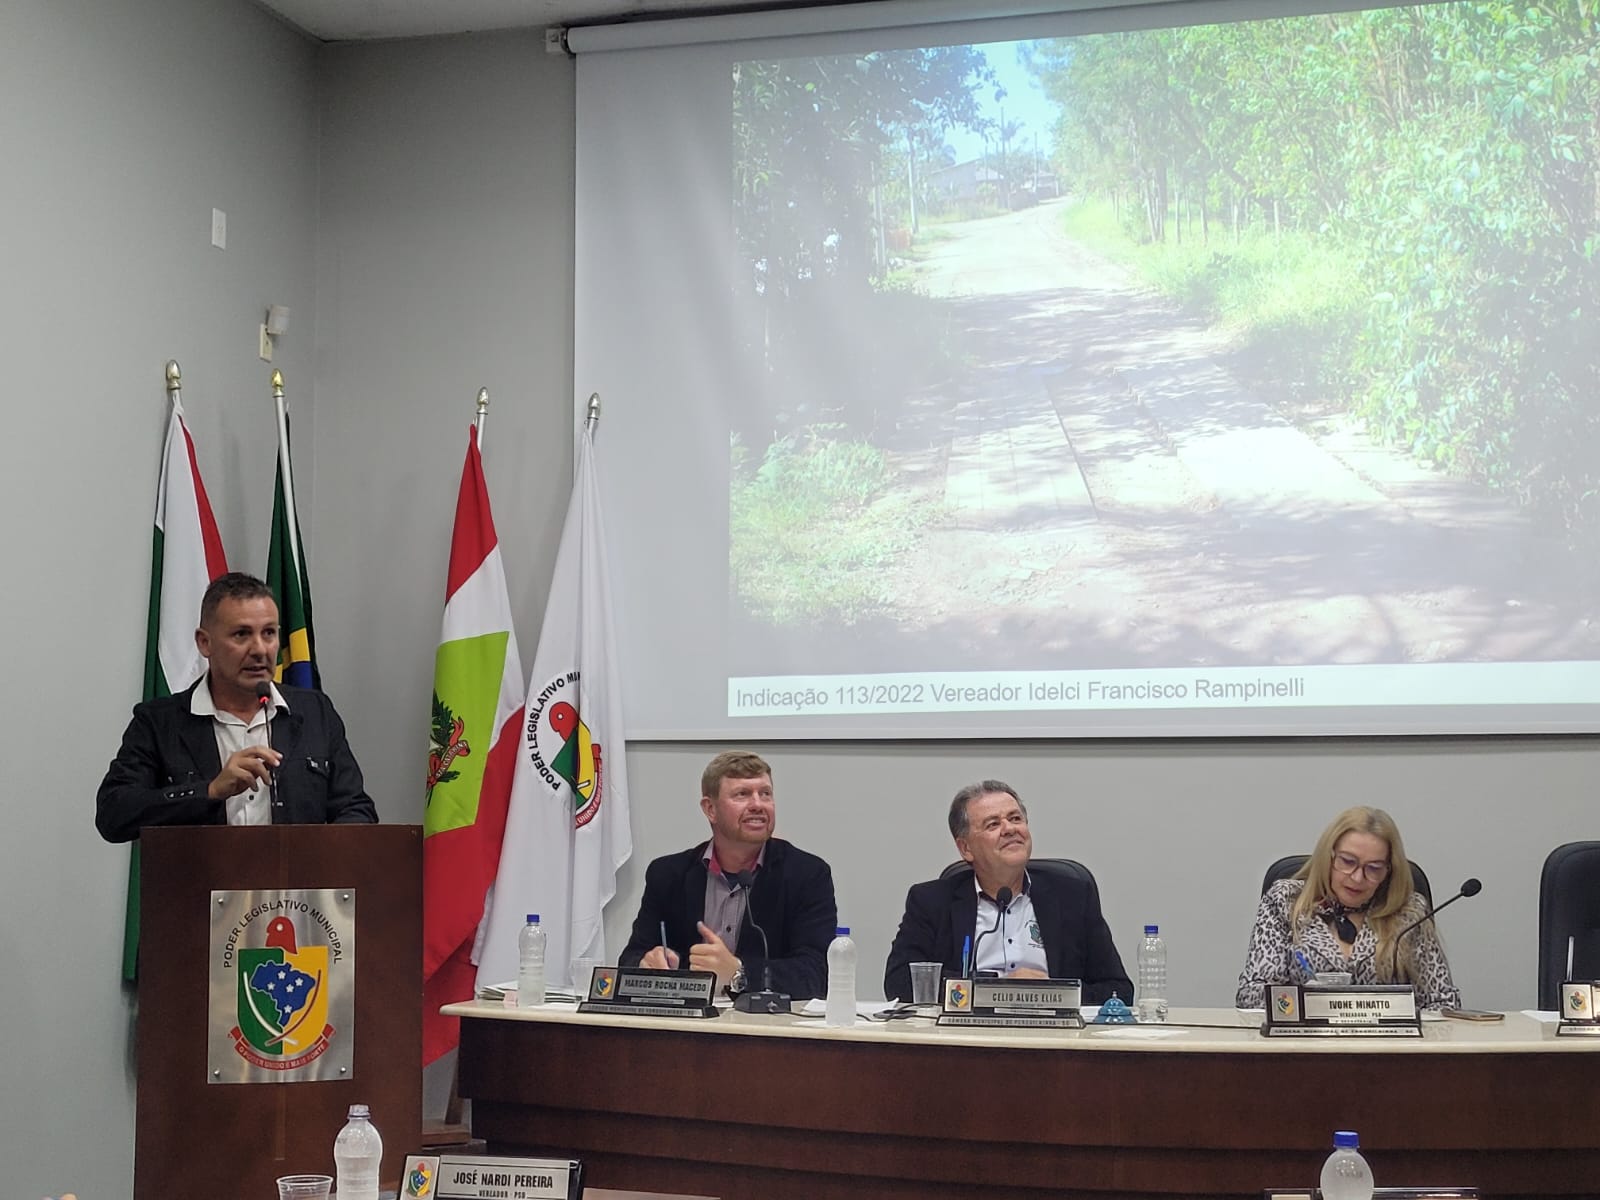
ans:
(244, 771)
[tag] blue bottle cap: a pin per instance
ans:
(1346, 1139)
(841, 931)
(533, 918)
(1152, 930)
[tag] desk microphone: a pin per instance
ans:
(1002, 901)
(1470, 887)
(264, 702)
(766, 1000)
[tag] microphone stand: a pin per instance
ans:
(264, 700)
(1002, 901)
(766, 1000)
(1470, 888)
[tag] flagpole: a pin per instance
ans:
(283, 469)
(483, 413)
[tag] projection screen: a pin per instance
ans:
(1131, 371)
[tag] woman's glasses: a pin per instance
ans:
(1349, 864)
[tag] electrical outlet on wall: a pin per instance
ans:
(219, 229)
(266, 345)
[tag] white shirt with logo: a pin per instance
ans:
(1016, 943)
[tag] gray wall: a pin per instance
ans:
(1177, 833)
(412, 202)
(121, 125)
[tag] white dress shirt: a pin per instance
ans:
(251, 807)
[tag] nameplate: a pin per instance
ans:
(1372, 1010)
(1013, 1003)
(1578, 1012)
(1383, 1193)
(640, 992)
(466, 1177)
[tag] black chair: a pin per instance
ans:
(1065, 868)
(1285, 868)
(1569, 907)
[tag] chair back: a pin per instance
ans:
(1064, 868)
(1286, 867)
(1569, 907)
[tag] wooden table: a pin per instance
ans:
(774, 1108)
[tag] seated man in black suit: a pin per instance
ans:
(201, 757)
(1051, 926)
(707, 898)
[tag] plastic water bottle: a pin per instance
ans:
(357, 1152)
(841, 1005)
(530, 963)
(1346, 1176)
(1152, 975)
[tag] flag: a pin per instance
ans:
(567, 828)
(186, 555)
(286, 576)
(476, 716)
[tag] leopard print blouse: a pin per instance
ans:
(1271, 958)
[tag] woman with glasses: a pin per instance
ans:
(1345, 910)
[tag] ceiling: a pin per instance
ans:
(359, 20)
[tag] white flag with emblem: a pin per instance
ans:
(567, 831)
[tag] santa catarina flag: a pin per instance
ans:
(186, 555)
(476, 715)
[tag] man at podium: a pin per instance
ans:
(235, 748)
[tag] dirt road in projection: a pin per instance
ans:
(1112, 495)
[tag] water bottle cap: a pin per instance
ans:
(1152, 930)
(359, 1110)
(533, 918)
(1346, 1139)
(842, 931)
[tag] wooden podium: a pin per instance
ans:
(196, 1136)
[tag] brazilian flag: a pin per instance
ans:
(286, 576)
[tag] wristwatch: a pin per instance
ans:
(739, 982)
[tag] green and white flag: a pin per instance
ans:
(186, 555)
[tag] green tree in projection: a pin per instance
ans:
(818, 144)
(1480, 246)
(1445, 154)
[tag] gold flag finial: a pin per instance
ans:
(174, 376)
(277, 384)
(483, 402)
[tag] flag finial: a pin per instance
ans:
(277, 384)
(483, 402)
(174, 376)
(593, 418)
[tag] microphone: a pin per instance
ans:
(766, 1000)
(1002, 901)
(264, 703)
(1470, 887)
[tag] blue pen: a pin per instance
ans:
(966, 956)
(1305, 963)
(664, 940)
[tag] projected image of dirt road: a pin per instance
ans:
(1112, 492)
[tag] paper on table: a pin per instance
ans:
(507, 992)
(1549, 1018)
(864, 1008)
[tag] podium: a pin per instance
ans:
(225, 1116)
